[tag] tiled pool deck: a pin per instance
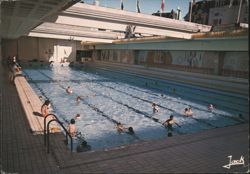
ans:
(202, 152)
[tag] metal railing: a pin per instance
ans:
(47, 133)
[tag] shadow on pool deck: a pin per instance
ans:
(206, 151)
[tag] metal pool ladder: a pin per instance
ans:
(46, 131)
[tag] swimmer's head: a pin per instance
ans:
(47, 102)
(186, 109)
(72, 121)
(131, 130)
(78, 116)
(171, 116)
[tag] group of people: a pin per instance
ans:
(188, 112)
(69, 91)
(14, 68)
(71, 128)
(120, 127)
(169, 122)
(79, 140)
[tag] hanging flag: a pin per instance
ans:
(138, 7)
(122, 5)
(231, 3)
(162, 6)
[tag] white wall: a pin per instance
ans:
(28, 48)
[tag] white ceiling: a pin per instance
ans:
(66, 19)
(18, 17)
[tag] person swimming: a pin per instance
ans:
(210, 107)
(72, 128)
(77, 117)
(131, 131)
(169, 124)
(120, 128)
(78, 99)
(188, 112)
(69, 90)
(155, 108)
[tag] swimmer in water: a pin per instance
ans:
(69, 90)
(155, 108)
(77, 117)
(120, 128)
(188, 112)
(169, 124)
(72, 128)
(210, 107)
(78, 99)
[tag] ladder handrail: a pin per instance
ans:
(44, 125)
(46, 129)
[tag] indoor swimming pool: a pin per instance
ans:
(109, 97)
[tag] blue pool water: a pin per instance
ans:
(110, 97)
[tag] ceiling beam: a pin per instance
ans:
(119, 27)
(69, 38)
(125, 17)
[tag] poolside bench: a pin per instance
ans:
(32, 104)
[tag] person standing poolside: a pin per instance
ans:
(45, 108)
(169, 124)
(15, 69)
